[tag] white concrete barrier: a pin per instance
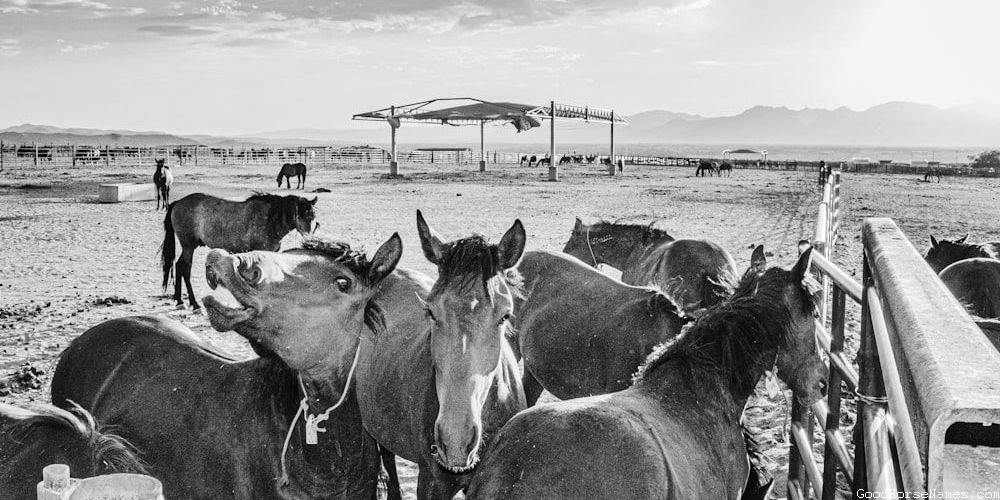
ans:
(117, 193)
(58, 485)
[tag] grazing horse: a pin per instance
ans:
(695, 273)
(282, 425)
(725, 167)
(34, 437)
(293, 169)
(565, 159)
(933, 173)
(524, 159)
(946, 252)
(675, 433)
(436, 390)
(706, 168)
(198, 219)
(546, 160)
(532, 161)
(162, 180)
(976, 284)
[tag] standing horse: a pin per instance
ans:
(976, 284)
(695, 273)
(725, 167)
(945, 252)
(213, 427)
(162, 180)
(706, 168)
(293, 169)
(35, 437)
(437, 391)
(932, 173)
(676, 432)
(546, 160)
(198, 219)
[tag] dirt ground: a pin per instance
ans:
(68, 262)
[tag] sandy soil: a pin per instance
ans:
(67, 262)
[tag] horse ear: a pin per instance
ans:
(934, 242)
(578, 224)
(962, 240)
(313, 201)
(512, 245)
(802, 266)
(758, 261)
(385, 259)
(430, 240)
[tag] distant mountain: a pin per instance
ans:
(889, 124)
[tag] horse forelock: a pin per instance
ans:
(473, 261)
(735, 335)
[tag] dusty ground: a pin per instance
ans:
(68, 262)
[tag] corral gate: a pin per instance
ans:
(928, 390)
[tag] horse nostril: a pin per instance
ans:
(434, 449)
(251, 273)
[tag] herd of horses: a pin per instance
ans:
(708, 168)
(535, 161)
(360, 361)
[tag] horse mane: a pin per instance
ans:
(474, 260)
(108, 452)
(733, 335)
(647, 232)
(357, 262)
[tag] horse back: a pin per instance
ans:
(200, 219)
(976, 283)
(694, 272)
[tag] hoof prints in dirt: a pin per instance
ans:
(23, 312)
(110, 301)
(26, 377)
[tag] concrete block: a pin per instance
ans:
(118, 193)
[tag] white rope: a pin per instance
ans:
(592, 256)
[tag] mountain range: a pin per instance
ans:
(889, 124)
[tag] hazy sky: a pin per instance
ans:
(230, 66)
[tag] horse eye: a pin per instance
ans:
(505, 318)
(343, 284)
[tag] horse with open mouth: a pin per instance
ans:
(435, 388)
(676, 432)
(284, 425)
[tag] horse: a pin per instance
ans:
(162, 180)
(933, 173)
(293, 169)
(524, 159)
(436, 388)
(976, 284)
(675, 433)
(285, 424)
(546, 160)
(198, 219)
(725, 167)
(591, 158)
(565, 159)
(706, 168)
(695, 273)
(34, 437)
(943, 253)
(532, 160)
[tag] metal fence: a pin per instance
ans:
(926, 378)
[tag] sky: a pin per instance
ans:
(231, 66)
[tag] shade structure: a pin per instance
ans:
(460, 111)
(728, 152)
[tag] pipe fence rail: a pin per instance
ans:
(927, 377)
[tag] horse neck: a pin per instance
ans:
(615, 246)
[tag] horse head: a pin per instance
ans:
(306, 305)
(305, 215)
(945, 252)
(468, 311)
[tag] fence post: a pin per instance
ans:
(833, 393)
(36, 154)
(1, 156)
(107, 155)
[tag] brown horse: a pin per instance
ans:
(213, 427)
(675, 433)
(695, 273)
(725, 167)
(289, 170)
(706, 168)
(162, 180)
(34, 437)
(943, 253)
(198, 219)
(976, 284)
(438, 388)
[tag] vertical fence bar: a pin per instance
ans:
(837, 323)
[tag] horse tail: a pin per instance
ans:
(169, 248)
(390, 478)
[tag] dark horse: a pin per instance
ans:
(198, 219)
(162, 180)
(695, 273)
(546, 160)
(932, 173)
(976, 284)
(288, 170)
(943, 253)
(675, 433)
(725, 167)
(213, 427)
(35, 437)
(706, 168)
(439, 383)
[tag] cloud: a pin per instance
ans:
(177, 30)
(86, 8)
(84, 47)
(9, 47)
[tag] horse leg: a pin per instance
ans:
(187, 281)
(532, 389)
(392, 477)
(439, 486)
(184, 262)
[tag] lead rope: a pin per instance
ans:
(313, 421)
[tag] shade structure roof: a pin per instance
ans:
(471, 111)
(744, 152)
